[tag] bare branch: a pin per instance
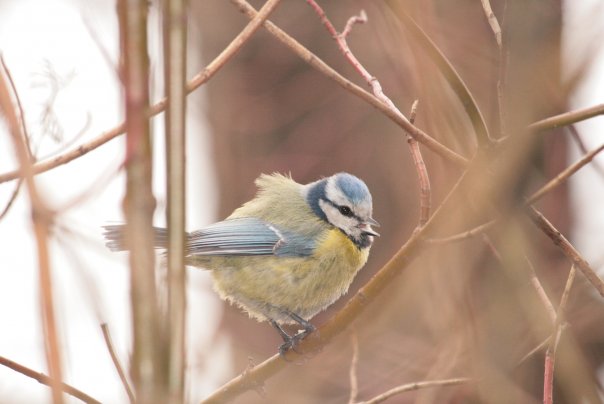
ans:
(116, 362)
(567, 248)
(43, 379)
(416, 386)
(567, 118)
(41, 218)
(315, 62)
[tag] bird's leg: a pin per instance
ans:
(288, 339)
(308, 327)
(292, 341)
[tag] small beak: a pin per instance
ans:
(373, 222)
(366, 227)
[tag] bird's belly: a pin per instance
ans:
(270, 287)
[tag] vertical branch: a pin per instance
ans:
(41, 219)
(425, 192)
(496, 28)
(146, 367)
(550, 354)
(175, 48)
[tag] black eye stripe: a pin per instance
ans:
(340, 207)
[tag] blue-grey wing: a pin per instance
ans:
(247, 237)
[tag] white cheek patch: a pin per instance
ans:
(347, 224)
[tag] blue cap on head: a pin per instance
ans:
(354, 189)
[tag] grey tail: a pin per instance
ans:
(115, 238)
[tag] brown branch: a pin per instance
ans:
(564, 175)
(547, 303)
(41, 219)
(450, 74)
(47, 381)
(567, 248)
(550, 354)
(147, 363)
(354, 381)
(416, 386)
(425, 192)
(199, 79)
(315, 62)
(574, 133)
(488, 11)
(463, 235)
(567, 118)
(175, 51)
(116, 362)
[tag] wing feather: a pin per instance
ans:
(247, 237)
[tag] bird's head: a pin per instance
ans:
(344, 201)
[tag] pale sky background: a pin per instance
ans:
(91, 284)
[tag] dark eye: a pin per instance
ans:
(345, 210)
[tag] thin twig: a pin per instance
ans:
(564, 175)
(463, 235)
(450, 74)
(116, 362)
(425, 192)
(43, 379)
(354, 381)
(550, 354)
(416, 386)
(488, 11)
(567, 248)
(372, 81)
(547, 303)
(577, 138)
(315, 62)
(41, 219)
(200, 78)
(567, 118)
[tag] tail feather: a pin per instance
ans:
(115, 237)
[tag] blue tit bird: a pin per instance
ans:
(288, 253)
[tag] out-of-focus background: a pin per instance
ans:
(456, 311)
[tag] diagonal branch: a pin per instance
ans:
(43, 379)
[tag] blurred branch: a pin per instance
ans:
(450, 74)
(416, 386)
(567, 118)
(425, 192)
(354, 381)
(175, 51)
(577, 138)
(199, 79)
(116, 362)
(488, 11)
(567, 248)
(547, 303)
(550, 354)
(378, 92)
(564, 175)
(318, 64)
(43, 379)
(147, 366)
(41, 219)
